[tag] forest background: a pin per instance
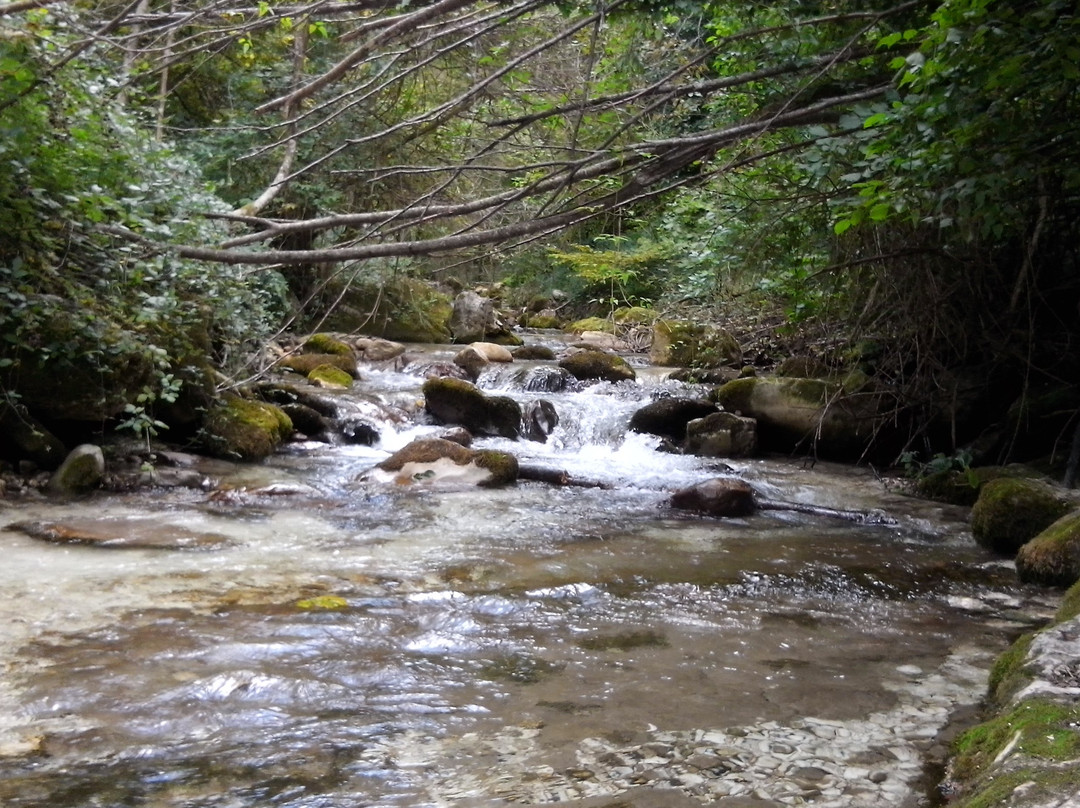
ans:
(888, 187)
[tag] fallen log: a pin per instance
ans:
(558, 477)
(865, 517)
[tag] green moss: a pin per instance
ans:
(1041, 787)
(1046, 732)
(502, 465)
(586, 365)
(634, 315)
(1011, 511)
(1053, 557)
(736, 394)
(1008, 675)
(590, 324)
(327, 375)
(323, 603)
(240, 429)
(541, 321)
(1070, 604)
(326, 344)
(624, 641)
(305, 363)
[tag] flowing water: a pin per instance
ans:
(300, 634)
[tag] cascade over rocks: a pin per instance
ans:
(540, 420)
(545, 379)
(588, 365)
(668, 417)
(455, 401)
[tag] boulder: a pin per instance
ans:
(455, 401)
(472, 318)
(681, 343)
(492, 352)
(544, 320)
(330, 377)
(720, 496)
(590, 324)
(634, 315)
(533, 352)
(472, 362)
(307, 420)
(81, 472)
(589, 365)
(373, 349)
(239, 429)
(326, 344)
(1052, 558)
(545, 379)
(438, 460)
(22, 437)
(599, 341)
(721, 434)
(1011, 511)
(307, 362)
(540, 419)
(668, 417)
(794, 414)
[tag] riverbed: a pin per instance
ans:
(298, 633)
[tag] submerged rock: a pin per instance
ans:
(720, 496)
(140, 533)
(1052, 558)
(81, 471)
(588, 365)
(1011, 511)
(455, 401)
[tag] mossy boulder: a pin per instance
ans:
(1012, 511)
(435, 460)
(401, 309)
(634, 315)
(240, 429)
(326, 344)
(330, 377)
(305, 363)
(1052, 558)
(541, 352)
(455, 401)
(803, 414)
(542, 321)
(681, 343)
(721, 434)
(588, 365)
(668, 417)
(590, 324)
(959, 487)
(81, 472)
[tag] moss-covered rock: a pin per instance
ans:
(541, 352)
(681, 343)
(1052, 558)
(668, 417)
(455, 401)
(305, 363)
(1011, 511)
(330, 377)
(239, 429)
(634, 315)
(588, 365)
(721, 434)
(326, 344)
(590, 324)
(81, 471)
(502, 465)
(542, 321)
(803, 414)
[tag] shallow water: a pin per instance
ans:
(528, 644)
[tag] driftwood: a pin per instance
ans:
(866, 517)
(556, 477)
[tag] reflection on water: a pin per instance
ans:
(483, 645)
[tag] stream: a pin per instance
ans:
(296, 633)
